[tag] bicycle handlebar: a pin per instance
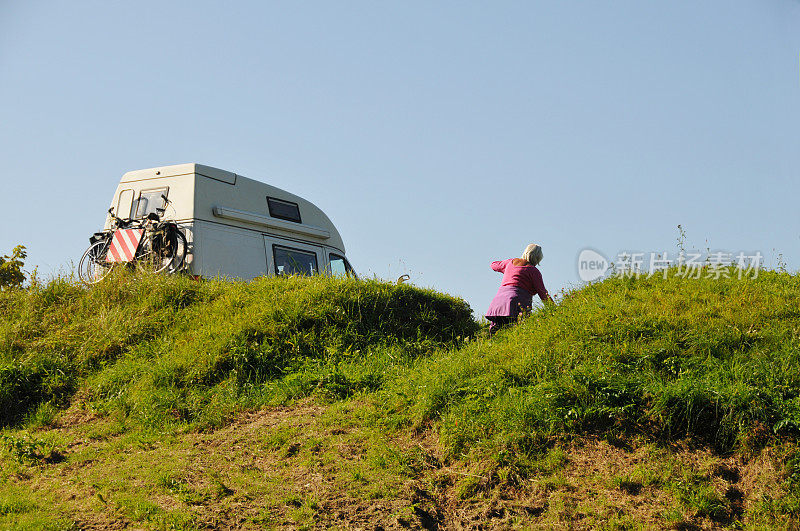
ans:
(120, 222)
(153, 216)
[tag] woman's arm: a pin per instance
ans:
(500, 266)
(538, 286)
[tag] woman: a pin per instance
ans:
(521, 279)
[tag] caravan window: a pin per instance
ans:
(149, 201)
(340, 266)
(124, 203)
(290, 261)
(281, 209)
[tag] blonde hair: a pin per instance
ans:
(533, 254)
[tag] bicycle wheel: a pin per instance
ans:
(165, 253)
(93, 266)
(181, 247)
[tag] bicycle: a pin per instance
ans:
(149, 244)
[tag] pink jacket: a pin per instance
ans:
(527, 277)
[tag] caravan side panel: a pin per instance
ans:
(248, 199)
(227, 251)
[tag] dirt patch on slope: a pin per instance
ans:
(322, 466)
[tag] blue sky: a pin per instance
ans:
(438, 136)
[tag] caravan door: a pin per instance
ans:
(288, 257)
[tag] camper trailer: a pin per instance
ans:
(235, 226)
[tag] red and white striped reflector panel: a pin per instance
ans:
(123, 246)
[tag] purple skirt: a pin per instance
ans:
(509, 301)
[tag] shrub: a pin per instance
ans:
(11, 275)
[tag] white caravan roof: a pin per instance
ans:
(211, 194)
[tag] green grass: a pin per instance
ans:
(407, 397)
(169, 349)
(717, 360)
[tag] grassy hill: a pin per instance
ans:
(159, 402)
